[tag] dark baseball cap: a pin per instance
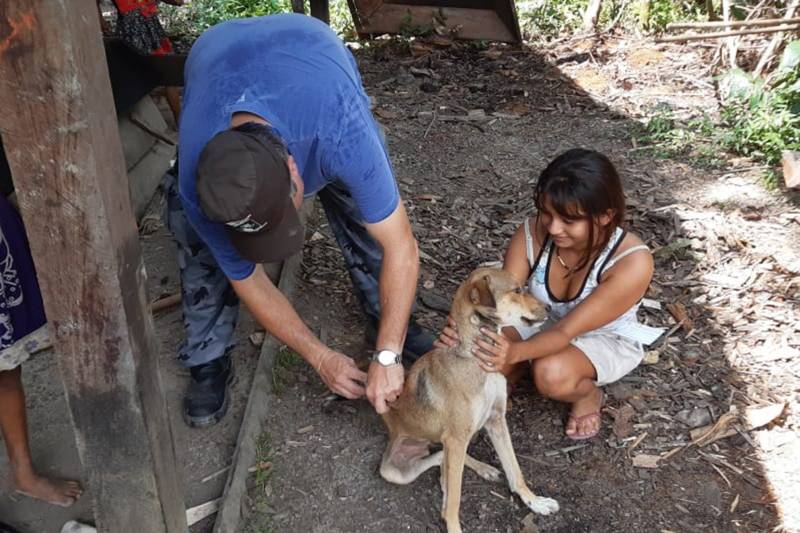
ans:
(244, 183)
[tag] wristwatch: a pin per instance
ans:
(386, 357)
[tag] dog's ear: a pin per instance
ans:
(480, 294)
(482, 299)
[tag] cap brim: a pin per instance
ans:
(271, 245)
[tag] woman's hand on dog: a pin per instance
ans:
(448, 338)
(493, 351)
(341, 375)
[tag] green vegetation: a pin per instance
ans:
(190, 20)
(262, 518)
(697, 139)
(286, 361)
(547, 19)
(763, 116)
(759, 119)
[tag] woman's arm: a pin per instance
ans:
(516, 258)
(619, 290)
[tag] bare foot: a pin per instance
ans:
(59, 492)
(584, 419)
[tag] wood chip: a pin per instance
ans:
(678, 311)
(646, 461)
(257, 338)
(734, 504)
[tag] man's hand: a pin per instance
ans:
(341, 375)
(384, 385)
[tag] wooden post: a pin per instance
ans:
(60, 132)
(591, 14)
(321, 10)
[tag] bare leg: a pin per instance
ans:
(13, 423)
(173, 95)
(569, 376)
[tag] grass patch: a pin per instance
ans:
(283, 369)
(697, 140)
(262, 517)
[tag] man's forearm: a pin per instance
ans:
(277, 315)
(397, 286)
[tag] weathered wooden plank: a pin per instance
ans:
(321, 10)
(255, 413)
(60, 132)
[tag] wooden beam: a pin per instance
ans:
(321, 10)
(258, 403)
(718, 35)
(60, 130)
(731, 24)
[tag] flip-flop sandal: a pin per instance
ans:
(578, 419)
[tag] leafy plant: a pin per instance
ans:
(545, 19)
(763, 118)
(696, 139)
(654, 15)
(196, 16)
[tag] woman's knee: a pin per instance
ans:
(552, 377)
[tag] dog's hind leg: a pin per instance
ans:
(497, 429)
(487, 472)
(406, 458)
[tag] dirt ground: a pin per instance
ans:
(469, 129)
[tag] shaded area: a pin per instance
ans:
(469, 129)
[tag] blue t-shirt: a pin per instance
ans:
(294, 72)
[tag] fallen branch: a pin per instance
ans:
(165, 303)
(719, 35)
(769, 51)
(731, 24)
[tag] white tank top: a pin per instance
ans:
(540, 269)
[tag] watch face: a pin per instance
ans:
(386, 357)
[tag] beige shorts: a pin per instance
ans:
(612, 355)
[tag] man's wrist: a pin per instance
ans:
(386, 357)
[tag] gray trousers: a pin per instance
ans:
(210, 305)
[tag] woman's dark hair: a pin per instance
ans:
(583, 184)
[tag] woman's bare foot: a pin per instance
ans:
(59, 492)
(584, 419)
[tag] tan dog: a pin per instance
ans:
(448, 398)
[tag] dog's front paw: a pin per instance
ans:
(542, 505)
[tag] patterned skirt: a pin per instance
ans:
(23, 329)
(138, 26)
